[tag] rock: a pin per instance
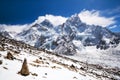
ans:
(38, 61)
(0, 55)
(82, 68)
(75, 77)
(10, 56)
(72, 66)
(40, 58)
(24, 70)
(45, 73)
(5, 68)
(0, 62)
(34, 74)
(1, 49)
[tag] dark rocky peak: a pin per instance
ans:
(36, 25)
(74, 20)
(47, 23)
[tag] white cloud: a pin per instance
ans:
(114, 26)
(55, 20)
(15, 28)
(86, 16)
(94, 17)
(113, 11)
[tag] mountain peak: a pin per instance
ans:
(46, 22)
(74, 20)
(75, 15)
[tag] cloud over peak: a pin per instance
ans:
(55, 20)
(93, 17)
(15, 28)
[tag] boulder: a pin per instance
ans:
(10, 56)
(1, 48)
(1, 62)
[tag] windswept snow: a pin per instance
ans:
(45, 71)
(106, 58)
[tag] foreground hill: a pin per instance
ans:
(45, 65)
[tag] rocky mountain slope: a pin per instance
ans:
(61, 39)
(90, 52)
(46, 65)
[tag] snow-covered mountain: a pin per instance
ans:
(13, 30)
(95, 51)
(64, 38)
(38, 34)
(4, 32)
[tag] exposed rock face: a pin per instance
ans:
(24, 70)
(1, 47)
(10, 56)
(65, 46)
(1, 62)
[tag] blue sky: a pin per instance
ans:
(27, 11)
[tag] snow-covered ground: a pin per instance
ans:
(106, 58)
(45, 65)
(45, 69)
